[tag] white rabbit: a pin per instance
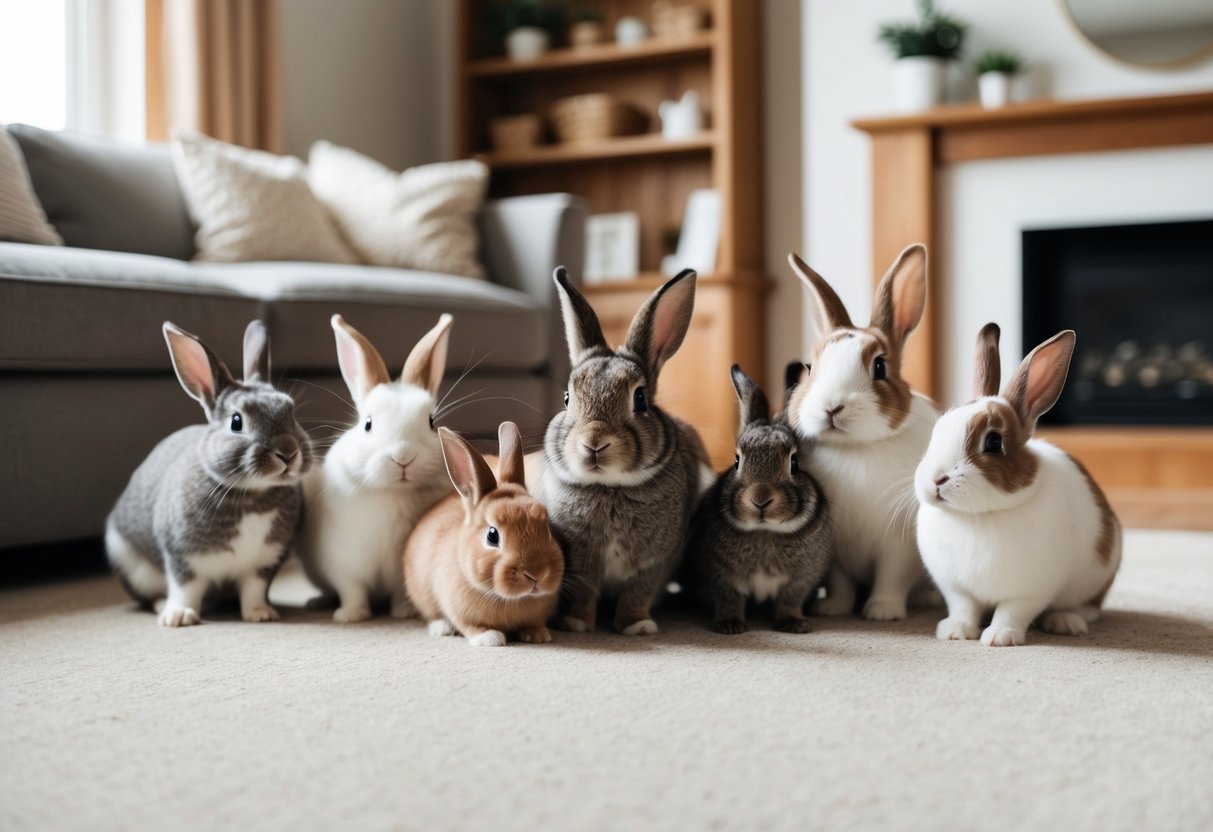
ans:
(378, 478)
(869, 431)
(1009, 523)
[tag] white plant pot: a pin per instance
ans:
(918, 83)
(995, 89)
(526, 43)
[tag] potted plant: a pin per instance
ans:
(587, 29)
(995, 69)
(922, 48)
(527, 27)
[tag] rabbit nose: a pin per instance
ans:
(940, 480)
(595, 450)
(763, 505)
(530, 577)
(834, 411)
(286, 458)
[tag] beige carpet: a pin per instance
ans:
(110, 722)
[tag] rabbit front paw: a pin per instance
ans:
(261, 612)
(953, 629)
(576, 625)
(440, 627)
(535, 635)
(731, 626)
(1002, 637)
(351, 614)
(643, 627)
(489, 638)
(1064, 623)
(176, 615)
(791, 625)
(883, 610)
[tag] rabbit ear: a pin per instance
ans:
(1039, 380)
(754, 407)
(468, 471)
(202, 374)
(657, 330)
(257, 352)
(987, 370)
(829, 311)
(426, 364)
(361, 365)
(901, 297)
(509, 446)
(581, 328)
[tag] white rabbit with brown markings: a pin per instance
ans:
(868, 430)
(1008, 523)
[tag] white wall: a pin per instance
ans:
(847, 75)
(374, 75)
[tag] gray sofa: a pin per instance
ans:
(86, 389)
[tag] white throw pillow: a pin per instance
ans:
(423, 218)
(253, 205)
(22, 219)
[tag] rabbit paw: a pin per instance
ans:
(1064, 623)
(884, 610)
(953, 629)
(350, 614)
(404, 609)
(830, 606)
(1002, 637)
(174, 615)
(263, 612)
(489, 638)
(440, 627)
(731, 626)
(643, 627)
(576, 625)
(791, 625)
(535, 635)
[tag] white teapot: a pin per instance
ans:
(681, 119)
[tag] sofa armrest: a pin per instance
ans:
(523, 240)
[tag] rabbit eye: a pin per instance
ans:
(493, 538)
(237, 423)
(566, 398)
(993, 442)
(640, 402)
(737, 462)
(795, 463)
(431, 421)
(367, 426)
(879, 370)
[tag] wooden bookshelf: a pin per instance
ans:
(647, 174)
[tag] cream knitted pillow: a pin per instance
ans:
(253, 205)
(22, 219)
(423, 218)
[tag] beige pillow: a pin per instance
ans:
(424, 218)
(22, 219)
(253, 205)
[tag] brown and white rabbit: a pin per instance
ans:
(483, 563)
(219, 503)
(1010, 523)
(621, 475)
(868, 430)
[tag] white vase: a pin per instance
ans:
(630, 31)
(918, 83)
(526, 43)
(995, 89)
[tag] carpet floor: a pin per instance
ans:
(108, 721)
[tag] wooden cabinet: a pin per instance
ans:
(647, 174)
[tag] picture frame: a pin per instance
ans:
(700, 235)
(612, 247)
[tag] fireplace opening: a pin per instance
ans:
(1140, 298)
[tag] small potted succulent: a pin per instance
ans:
(922, 48)
(995, 69)
(587, 28)
(527, 27)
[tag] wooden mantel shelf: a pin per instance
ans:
(968, 131)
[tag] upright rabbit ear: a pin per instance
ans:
(657, 330)
(581, 328)
(987, 369)
(426, 364)
(1037, 383)
(257, 352)
(512, 466)
(361, 365)
(202, 374)
(901, 296)
(468, 471)
(754, 406)
(829, 311)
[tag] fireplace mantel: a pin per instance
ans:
(906, 151)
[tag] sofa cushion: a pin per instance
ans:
(76, 309)
(103, 194)
(22, 219)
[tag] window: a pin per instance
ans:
(33, 63)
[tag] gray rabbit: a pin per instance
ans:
(763, 529)
(217, 503)
(621, 476)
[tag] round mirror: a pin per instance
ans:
(1157, 33)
